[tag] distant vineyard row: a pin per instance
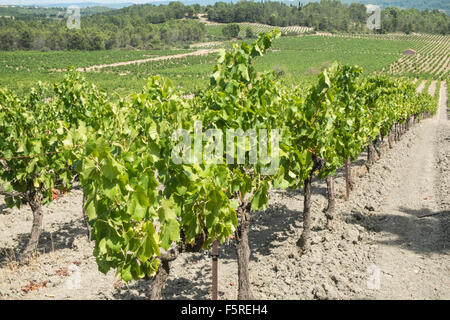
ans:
(431, 58)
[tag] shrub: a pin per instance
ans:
(249, 33)
(231, 30)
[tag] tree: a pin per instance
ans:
(8, 39)
(249, 33)
(77, 40)
(231, 30)
(26, 39)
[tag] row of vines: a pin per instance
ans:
(143, 207)
(431, 59)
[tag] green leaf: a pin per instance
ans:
(170, 233)
(111, 169)
(150, 245)
(125, 273)
(260, 198)
(167, 211)
(90, 209)
(10, 202)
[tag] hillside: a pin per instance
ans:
(418, 4)
(32, 13)
(408, 4)
(177, 25)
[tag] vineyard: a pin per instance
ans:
(431, 61)
(23, 69)
(215, 29)
(152, 207)
(295, 60)
(432, 58)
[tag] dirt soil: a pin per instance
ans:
(421, 86)
(392, 239)
(206, 44)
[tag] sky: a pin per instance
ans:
(40, 2)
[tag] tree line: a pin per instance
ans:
(138, 26)
(175, 24)
(441, 5)
(29, 13)
(329, 15)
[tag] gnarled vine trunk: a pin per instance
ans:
(86, 219)
(160, 279)
(370, 154)
(390, 139)
(397, 132)
(305, 239)
(330, 210)
(348, 179)
(378, 146)
(34, 200)
(243, 252)
(163, 273)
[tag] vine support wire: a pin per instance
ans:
(215, 258)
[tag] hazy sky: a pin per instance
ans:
(27, 2)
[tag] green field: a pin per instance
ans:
(295, 59)
(22, 69)
(307, 56)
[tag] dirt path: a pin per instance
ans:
(421, 86)
(413, 252)
(203, 18)
(124, 63)
(432, 88)
(206, 44)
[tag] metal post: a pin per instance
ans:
(347, 180)
(215, 256)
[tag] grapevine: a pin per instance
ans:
(147, 200)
